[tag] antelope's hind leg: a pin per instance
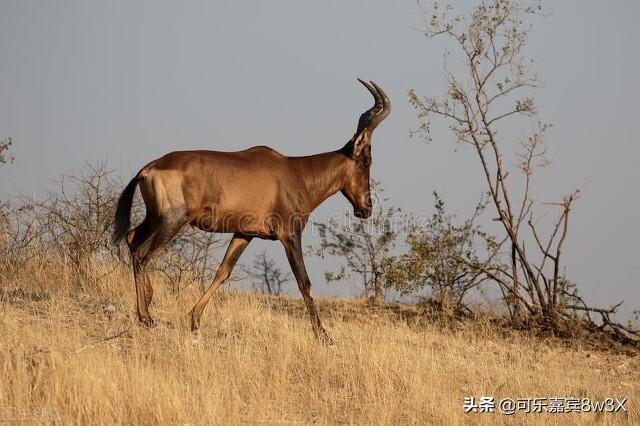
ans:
(139, 240)
(145, 241)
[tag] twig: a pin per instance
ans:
(106, 339)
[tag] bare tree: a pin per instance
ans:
(364, 245)
(266, 276)
(489, 91)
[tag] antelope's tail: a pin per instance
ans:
(123, 211)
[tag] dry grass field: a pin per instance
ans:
(68, 357)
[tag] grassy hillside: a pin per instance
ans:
(72, 353)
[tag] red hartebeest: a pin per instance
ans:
(253, 193)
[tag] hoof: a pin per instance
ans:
(146, 321)
(325, 339)
(195, 322)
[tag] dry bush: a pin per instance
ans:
(69, 226)
(439, 258)
(266, 275)
(364, 245)
(5, 145)
(190, 259)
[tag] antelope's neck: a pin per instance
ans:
(323, 175)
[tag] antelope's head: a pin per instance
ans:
(357, 187)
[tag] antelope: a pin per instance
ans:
(257, 192)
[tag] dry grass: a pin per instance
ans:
(64, 358)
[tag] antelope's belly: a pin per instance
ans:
(264, 225)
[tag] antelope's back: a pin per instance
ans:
(221, 183)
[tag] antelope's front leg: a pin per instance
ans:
(293, 247)
(236, 247)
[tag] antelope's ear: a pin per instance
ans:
(360, 141)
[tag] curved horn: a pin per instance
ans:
(378, 112)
